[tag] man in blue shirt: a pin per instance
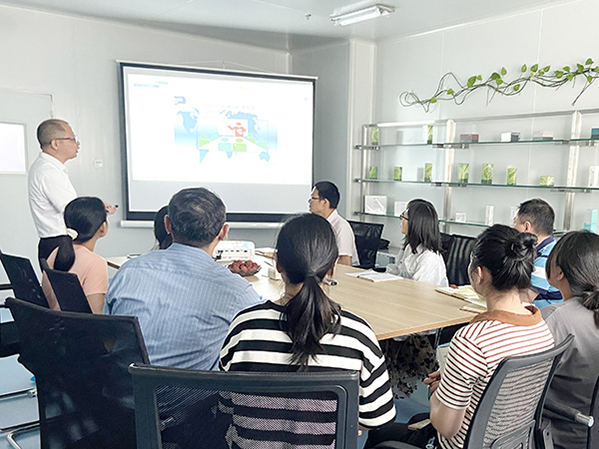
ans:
(536, 216)
(184, 300)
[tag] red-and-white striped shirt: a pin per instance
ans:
(474, 354)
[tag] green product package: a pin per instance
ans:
(397, 173)
(547, 181)
(374, 136)
(428, 172)
(511, 176)
(427, 131)
(487, 174)
(463, 170)
(373, 173)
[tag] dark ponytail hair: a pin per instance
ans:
(84, 215)
(423, 227)
(307, 251)
(509, 256)
(577, 254)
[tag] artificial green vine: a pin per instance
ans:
(497, 84)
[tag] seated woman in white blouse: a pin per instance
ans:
(421, 258)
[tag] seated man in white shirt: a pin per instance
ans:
(323, 201)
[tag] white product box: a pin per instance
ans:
(594, 176)
(229, 250)
(375, 204)
(399, 207)
(460, 217)
(489, 215)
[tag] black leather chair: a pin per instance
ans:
(512, 403)
(179, 408)
(368, 237)
(80, 362)
(23, 281)
(457, 258)
(67, 289)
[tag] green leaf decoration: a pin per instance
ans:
(498, 83)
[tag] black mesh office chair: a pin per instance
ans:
(67, 289)
(511, 404)
(23, 281)
(80, 362)
(368, 237)
(457, 259)
(208, 409)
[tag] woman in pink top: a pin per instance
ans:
(85, 218)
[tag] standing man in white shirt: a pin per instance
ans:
(323, 201)
(50, 189)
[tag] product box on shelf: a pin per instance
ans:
(510, 137)
(375, 204)
(542, 135)
(590, 220)
(466, 138)
(487, 174)
(399, 207)
(547, 181)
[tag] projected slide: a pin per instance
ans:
(248, 138)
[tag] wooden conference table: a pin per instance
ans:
(393, 308)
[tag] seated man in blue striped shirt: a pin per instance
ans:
(536, 216)
(184, 300)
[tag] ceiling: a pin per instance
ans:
(284, 24)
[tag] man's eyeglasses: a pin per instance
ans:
(404, 215)
(72, 139)
(313, 198)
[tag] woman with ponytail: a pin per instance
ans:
(86, 222)
(305, 330)
(573, 268)
(501, 266)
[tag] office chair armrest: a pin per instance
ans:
(569, 413)
(5, 287)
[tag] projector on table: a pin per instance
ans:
(229, 250)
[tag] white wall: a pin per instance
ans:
(558, 35)
(74, 60)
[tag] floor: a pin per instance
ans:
(21, 409)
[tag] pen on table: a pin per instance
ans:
(330, 281)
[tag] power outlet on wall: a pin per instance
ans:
(98, 163)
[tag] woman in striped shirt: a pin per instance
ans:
(501, 266)
(306, 331)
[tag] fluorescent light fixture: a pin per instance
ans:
(359, 15)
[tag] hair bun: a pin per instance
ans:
(521, 245)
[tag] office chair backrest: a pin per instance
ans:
(513, 401)
(457, 259)
(368, 237)
(9, 340)
(80, 363)
(23, 281)
(235, 409)
(68, 290)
